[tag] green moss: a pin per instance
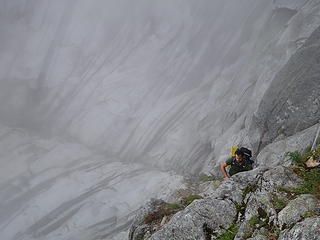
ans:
(247, 235)
(254, 221)
(188, 200)
(229, 234)
(309, 214)
(278, 203)
(174, 206)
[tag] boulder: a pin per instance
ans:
(298, 208)
(274, 154)
(199, 220)
(308, 229)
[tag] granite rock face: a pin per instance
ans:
(292, 102)
(248, 200)
(199, 219)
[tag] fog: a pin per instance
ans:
(107, 103)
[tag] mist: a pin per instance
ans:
(107, 103)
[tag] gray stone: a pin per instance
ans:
(309, 229)
(198, 219)
(253, 192)
(260, 200)
(297, 208)
(290, 4)
(138, 228)
(291, 103)
(233, 188)
(280, 176)
(259, 237)
(275, 153)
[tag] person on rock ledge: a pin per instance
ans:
(239, 163)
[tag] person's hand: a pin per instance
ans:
(226, 178)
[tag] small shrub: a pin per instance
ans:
(229, 234)
(262, 213)
(250, 188)
(247, 235)
(273, 236)
(254, 221)
(152, 217)
(241, 208)
(310, 184)
(299, 159)
(168, 209)
(296, 158)
(311, 177)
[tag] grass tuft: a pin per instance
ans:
(310, 176)
(188, 200)
(278, 203)
(229, 234)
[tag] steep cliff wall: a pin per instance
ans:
(118, 93)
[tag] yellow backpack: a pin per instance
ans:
(233, 151)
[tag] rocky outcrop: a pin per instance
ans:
(291, 104)
(275, 153)
(252, 202)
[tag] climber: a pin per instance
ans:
(239, 163)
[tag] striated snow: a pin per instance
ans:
(106, 102)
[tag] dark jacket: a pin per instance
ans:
(236, 168)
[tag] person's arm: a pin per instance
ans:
(224, 171)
